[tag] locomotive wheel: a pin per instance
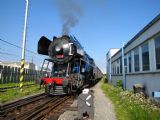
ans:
(79, 91)
(69, 91)
(47, 89)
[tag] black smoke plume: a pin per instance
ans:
(69, 11)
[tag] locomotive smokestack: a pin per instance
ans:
(69, 11)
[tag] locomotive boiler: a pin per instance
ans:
(70, 66)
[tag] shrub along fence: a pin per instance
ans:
(10, 74)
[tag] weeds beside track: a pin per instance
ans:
(129, 106)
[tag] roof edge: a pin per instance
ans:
(143, 30)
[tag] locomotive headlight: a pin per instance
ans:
(65, 46)
(57, 49)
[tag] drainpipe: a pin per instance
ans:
(110, 68)
(123, 70)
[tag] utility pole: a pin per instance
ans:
(23, 48)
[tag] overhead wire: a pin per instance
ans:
(16, 46)
(38, 58)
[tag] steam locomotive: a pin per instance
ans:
(70, 66)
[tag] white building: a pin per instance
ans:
(109, 55)
(141, 61)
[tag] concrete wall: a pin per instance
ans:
(115, 78)
(151, 81)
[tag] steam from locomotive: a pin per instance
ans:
(69, 11)
(72, 67)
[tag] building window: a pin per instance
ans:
(115, 72)
(112, 69)
(145, 57)
(130, 62)
(117, 69)
(136, 60)
(157, 49)
(125, 64)
(120, 65)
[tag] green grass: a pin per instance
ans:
(125, 108)
(14, 84)
(13, 94)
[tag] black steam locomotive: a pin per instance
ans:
(70, 66)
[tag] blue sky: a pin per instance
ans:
(105, 24)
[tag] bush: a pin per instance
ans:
(119, 83)
(106, 80)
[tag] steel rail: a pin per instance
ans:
(51, 107)
(27, 115)
(8, 107)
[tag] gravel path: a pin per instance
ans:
(104, 110)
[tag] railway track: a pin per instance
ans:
(44, 111)
(7, 108)
(35, 107)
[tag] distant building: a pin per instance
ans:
(37, 68)
(139, 60)
(27, 65)
(109, 55)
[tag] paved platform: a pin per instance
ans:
(103, 108)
